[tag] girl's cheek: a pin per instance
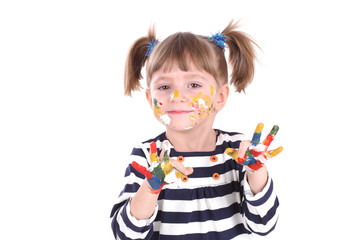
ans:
(159, 113)
(203, 106)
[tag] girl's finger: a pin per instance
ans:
(244, 145)
(179, 166)
(153, 152)
(165, 149)
(257, 134)
(271, 135)
(273, 153)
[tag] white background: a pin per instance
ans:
(66, 129)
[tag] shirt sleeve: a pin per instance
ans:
(260, 210)
(124, 225)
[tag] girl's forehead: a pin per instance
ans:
(176, 73)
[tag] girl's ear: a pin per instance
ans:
(221, 97)
(148, 97)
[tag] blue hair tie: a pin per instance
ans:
(219, 39)
(150, 47)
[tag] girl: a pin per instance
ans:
(193, 188)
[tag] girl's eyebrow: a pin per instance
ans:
(188, 76)
(163, 78)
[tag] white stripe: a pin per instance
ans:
(199, 227)
(199, 204)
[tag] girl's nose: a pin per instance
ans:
(176, 96)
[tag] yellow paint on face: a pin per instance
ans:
(203, 105)
(157, 108)
(176, 93)
(212, 90)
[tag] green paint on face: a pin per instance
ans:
(155, 102)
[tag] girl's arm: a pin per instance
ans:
(143, 204)
(257, 180)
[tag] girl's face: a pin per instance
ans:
(182, 100)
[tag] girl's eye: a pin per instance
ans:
(194, 85)
(164, 87)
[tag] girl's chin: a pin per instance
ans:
(180, 127)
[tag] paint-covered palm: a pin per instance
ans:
(255, 155)
(162, 170)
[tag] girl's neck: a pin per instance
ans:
(198, 139)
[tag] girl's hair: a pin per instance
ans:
(189, 50)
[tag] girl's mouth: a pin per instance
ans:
(179, 112)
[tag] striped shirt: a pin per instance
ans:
(214, 203)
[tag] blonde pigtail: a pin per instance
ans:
(135, 61)
(242, 56)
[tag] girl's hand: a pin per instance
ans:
(162, 170)
(254, 154)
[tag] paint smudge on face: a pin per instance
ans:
(212, 90)
(175, 94)
(163, 118)
(203, 105)
(157, 108)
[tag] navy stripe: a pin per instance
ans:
(263, 233)
(138, 152)
(220, 149)
(114, 224)
(161, 137)
(115, 208)
(198, 216)
(235, 144)
(130, 188)
(261, 220)
(205, 192)
(227, 234)
(264, 198)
